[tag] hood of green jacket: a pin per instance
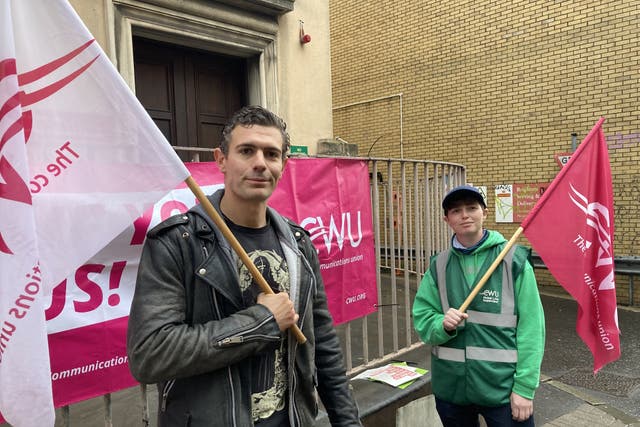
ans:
(472, 262)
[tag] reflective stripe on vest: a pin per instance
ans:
(492, 354)
(505, 318)
(446, 353)
(475, 353)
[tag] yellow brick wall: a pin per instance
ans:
(498, 86)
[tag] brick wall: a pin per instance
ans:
(498, 86)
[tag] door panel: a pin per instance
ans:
(189, 94)
(218, 84)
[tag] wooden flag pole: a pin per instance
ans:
(491, 269)
(215, 216)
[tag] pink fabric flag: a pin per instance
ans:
(80, 160)
(571, 227)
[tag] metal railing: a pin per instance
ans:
(408, 229)
(627, 266)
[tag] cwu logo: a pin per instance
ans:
(597, 217)
(332, 232)
(491, 296)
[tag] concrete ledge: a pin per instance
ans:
(378, 402)
(331, 147)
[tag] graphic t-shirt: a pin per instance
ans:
(269, 370)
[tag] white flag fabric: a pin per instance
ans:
(25, 388)
(80, 160)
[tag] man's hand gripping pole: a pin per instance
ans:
(215, 216)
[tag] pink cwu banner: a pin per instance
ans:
(87, 316)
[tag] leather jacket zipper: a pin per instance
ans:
(292, 393)
(165, 394)
(231, 340)
(246, 336)
(229, 374)
(292, 351)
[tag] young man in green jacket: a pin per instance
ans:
(486, 360)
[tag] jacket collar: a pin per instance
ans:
(278, 222)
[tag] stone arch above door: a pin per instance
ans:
(209, 26)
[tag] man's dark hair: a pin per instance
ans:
(254, 115)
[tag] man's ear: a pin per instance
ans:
(284, 162)
(220, 158)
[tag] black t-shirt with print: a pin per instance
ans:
(269, 370)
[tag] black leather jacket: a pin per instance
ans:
(188, 333)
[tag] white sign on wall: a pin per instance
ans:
(504, 202)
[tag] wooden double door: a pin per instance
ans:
(189, 94)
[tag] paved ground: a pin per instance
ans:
(569, 394)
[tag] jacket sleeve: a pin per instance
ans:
(530, 334)
(161, 345)
(427, 312)
(333, 383)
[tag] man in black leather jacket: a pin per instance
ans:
(219, 349)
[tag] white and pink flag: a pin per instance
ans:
(80, 160)
(571, 227)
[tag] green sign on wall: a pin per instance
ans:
(299, 149)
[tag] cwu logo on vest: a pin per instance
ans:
(490, 296)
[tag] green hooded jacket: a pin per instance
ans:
(498, 349)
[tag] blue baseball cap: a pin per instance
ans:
(462, 192)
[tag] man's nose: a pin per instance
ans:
(259, 160)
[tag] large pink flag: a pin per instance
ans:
(80, 160)
(571, 227)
